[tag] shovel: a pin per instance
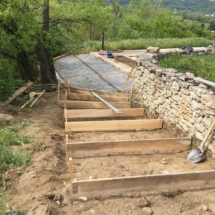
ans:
(198, 154)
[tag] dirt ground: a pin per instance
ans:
(44, 187)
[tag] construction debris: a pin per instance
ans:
(33, 95)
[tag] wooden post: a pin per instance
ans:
(71, 170)
(67, 141)
(130, 97)
(128, 78)
(67, 83)
(66, 115)
(58, 90)
(65, 99)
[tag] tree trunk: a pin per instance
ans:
(44, 64)
(44, 57)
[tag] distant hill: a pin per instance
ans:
(191, 6)
(187, 6)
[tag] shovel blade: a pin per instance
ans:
(196, 155)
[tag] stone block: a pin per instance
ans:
(208, 100)
(184, 127)
(196, 105)
(185, 91)
(175, 86)
(199, 135)
(197, 90)
(199, 127)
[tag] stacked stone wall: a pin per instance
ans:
(165, 92)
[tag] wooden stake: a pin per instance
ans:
(128, 78)
(66, 115)
(67, 83)
(67, 140)
(71, 169)
(58, 90)
(65, 99)
(37, 98)
(27, 102)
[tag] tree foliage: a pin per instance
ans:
(32, 32)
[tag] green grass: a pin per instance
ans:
(202, 66)
(144, 43)
(9, 157)
(13, 153)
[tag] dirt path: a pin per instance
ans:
(44, 188)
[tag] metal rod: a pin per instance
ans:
(107, 103)
(103, 40)
(201, 80)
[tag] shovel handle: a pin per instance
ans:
(207, 135)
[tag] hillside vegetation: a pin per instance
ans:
(33, 32)
(191, 6)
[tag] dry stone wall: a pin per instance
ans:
(165, 92)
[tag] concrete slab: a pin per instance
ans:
(81, 76)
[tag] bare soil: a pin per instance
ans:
(44, 187)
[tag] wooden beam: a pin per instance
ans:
(17, 93)
(101, 113)
(99, 92)
(92, 105)
(123, 88)
(115, 125)
(143, 146)
(61, 56)
(141, 183)
(85, 97)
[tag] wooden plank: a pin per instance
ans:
(84, 97)
(61, 56)
(115, 125)
(101, 113)
(71, 169)
(141, 183)
(99, 92)
(143, 146)
(123, 88)
(92, 105)
(17, 93)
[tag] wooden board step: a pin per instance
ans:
(143, 146)
(84, 97)
(114, 125)
(103, 113)
(99, 92)
(159, 182)
(91, 105)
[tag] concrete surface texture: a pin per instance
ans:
(81, 76)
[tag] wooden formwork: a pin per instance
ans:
(83, 99)
(139, 183)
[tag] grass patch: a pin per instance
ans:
(144, 43)
(201, 65)
(11, 157)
